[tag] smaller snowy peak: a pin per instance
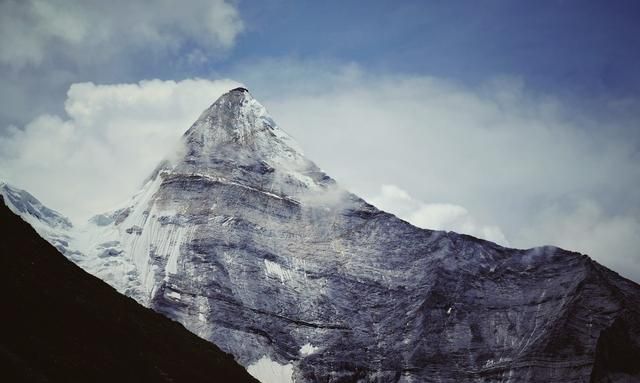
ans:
(308, 349)
(28, 206)
(50, 225)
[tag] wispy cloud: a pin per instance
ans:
(45, 46)
(435, 216)
(33, 31)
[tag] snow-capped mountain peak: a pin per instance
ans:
(236, 140)
(250, 245)
(238, 120)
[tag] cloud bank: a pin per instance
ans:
(110, 140)
(498, 155)
(434, 216)
(495, 161)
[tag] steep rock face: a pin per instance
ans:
(60, 324)
(250, 245)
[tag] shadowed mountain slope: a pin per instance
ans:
(60, 324)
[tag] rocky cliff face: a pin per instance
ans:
(251, 246)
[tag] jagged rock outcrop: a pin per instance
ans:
(251, 246)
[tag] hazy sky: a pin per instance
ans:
(514, 121)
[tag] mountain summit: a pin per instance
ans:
(250, 245)
(236, 140)
(238, 120)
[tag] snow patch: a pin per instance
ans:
(274, 269)
(308, 349)
(174, 295)
(268, 371)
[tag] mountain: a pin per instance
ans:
(60, 324)
(250, 245)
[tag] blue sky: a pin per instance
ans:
(572, 47)
(515, 121)
(583, 51)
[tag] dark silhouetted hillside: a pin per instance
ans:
(60, 324)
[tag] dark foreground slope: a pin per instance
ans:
(60, 324)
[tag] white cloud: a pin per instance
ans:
(497, 150)
(435, 216)
(503, 163)
(111, 139)
(90, 31)
(612, 239)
